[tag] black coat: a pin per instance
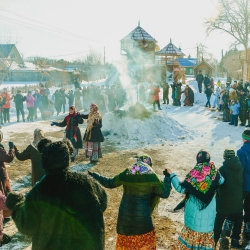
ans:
(18, 100)
(63, 211)
(134, 217)
(73, 131)
(199, 78)
(96, 133)
(229, 197)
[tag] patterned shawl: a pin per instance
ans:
(93, 117)
(140, 176)
(202, 182)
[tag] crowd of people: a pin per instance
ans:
(64, 210)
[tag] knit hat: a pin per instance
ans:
(55, 155)
(29, 92)
(228, 153)
(19, 91)
(246, 135)
(1, 135)
(203, 156)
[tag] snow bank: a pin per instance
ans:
(156, 129)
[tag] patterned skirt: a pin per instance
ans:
(190, 239)
(93, 150)
(136, 242)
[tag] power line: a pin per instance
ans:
(55, 30)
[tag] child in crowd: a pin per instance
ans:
(229, 201)
(235, 109)
(216, 97)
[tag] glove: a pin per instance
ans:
(12, 199)
(11, 144)
(73, 140)
(53, 123)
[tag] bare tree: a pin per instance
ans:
(233, 19)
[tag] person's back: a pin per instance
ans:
(66, 213)
(64, 210)
(229, 197)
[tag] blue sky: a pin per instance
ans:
(69, 29)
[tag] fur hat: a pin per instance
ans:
(228, 153)
(55, 155)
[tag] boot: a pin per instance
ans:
(247, 230)
(248, 126)
(227, 228)
(235, 244)
(5, 240)
(224, 243)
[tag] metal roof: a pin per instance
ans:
(5, 50)
(139, 34)
(170, 50)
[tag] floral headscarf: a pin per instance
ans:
(202, 180)
(145, 158)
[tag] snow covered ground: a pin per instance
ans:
(183, 129)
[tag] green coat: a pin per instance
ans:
(32, 153)
(229, 197)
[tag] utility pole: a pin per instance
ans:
(197, 54)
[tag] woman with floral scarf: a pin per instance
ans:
(72, 131)
(199, 187)
(93, 135)
(142, 190)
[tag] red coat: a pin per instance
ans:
(8, 98)
(156, 96)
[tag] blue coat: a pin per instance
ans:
(197, 220)
(244, 155)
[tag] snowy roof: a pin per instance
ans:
(5, 49)
(170, 50)
(139, 34)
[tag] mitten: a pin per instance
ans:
(53, 123)
(73, 140)
(12, 199)
(11, 144)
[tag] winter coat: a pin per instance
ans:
(178, 92)
(156, 96)
(229, 197)
(39, 100)
(206, 81)
(208, 91)
(191, 95)
(195, 219)
(71, 97)
(235, 108)
(18, 100)
(30, 100)
(63, 211)
(32, 153)
(63, 97)
(134, 217)
(244, 155)
(199, 78)
(8, 99)
(96, 133)
(8, 157)
(73, 132)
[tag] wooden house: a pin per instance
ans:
(204, 67)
